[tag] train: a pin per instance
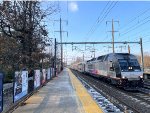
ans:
(121, 69)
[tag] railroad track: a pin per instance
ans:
(135, 101)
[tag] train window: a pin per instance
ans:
(123, 64)
(133, 62)
(106, 57)
(101, 58)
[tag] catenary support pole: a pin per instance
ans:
(142, 57)
(61, 45)
(128, 49)
(55, 60)
(113, 47)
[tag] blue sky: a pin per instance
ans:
(133, 17)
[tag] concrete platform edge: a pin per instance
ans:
(86, 101)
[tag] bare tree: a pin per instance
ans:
(23, 34)
(21, 20)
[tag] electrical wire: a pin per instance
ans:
(100, 20)
(89, 32)
(133, 19)
(135, 27)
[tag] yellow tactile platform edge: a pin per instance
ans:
(88, 104)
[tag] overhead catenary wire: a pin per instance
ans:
(143, 31)
(135, 28)
(96, 20)
(136, 17)
(136, 25)
(109, 6)
(100, 20)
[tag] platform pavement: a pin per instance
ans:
(63, 94)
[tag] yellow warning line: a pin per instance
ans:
(89, 105)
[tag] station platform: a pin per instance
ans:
(64, 94)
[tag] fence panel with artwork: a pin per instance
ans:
(20, 85)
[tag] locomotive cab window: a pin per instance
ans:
(106, 58)
(134, 64)
(129, 65)
(123, 64)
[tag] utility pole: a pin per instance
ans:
(50, 43)
(93, 52)
(113, 47)
(128, 49)
(113, 35)
(55, 58)
(83, 56)
(61, 46)
(66, 60)
(142, 57)
(60, 31)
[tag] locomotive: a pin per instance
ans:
(121, 69)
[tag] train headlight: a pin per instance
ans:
(141, 76)
(123, 77)
(129, 68)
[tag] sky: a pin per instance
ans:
(92, 21)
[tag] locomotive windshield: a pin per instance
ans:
(129, 65)
(123, 64)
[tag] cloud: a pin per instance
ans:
(73, 6)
